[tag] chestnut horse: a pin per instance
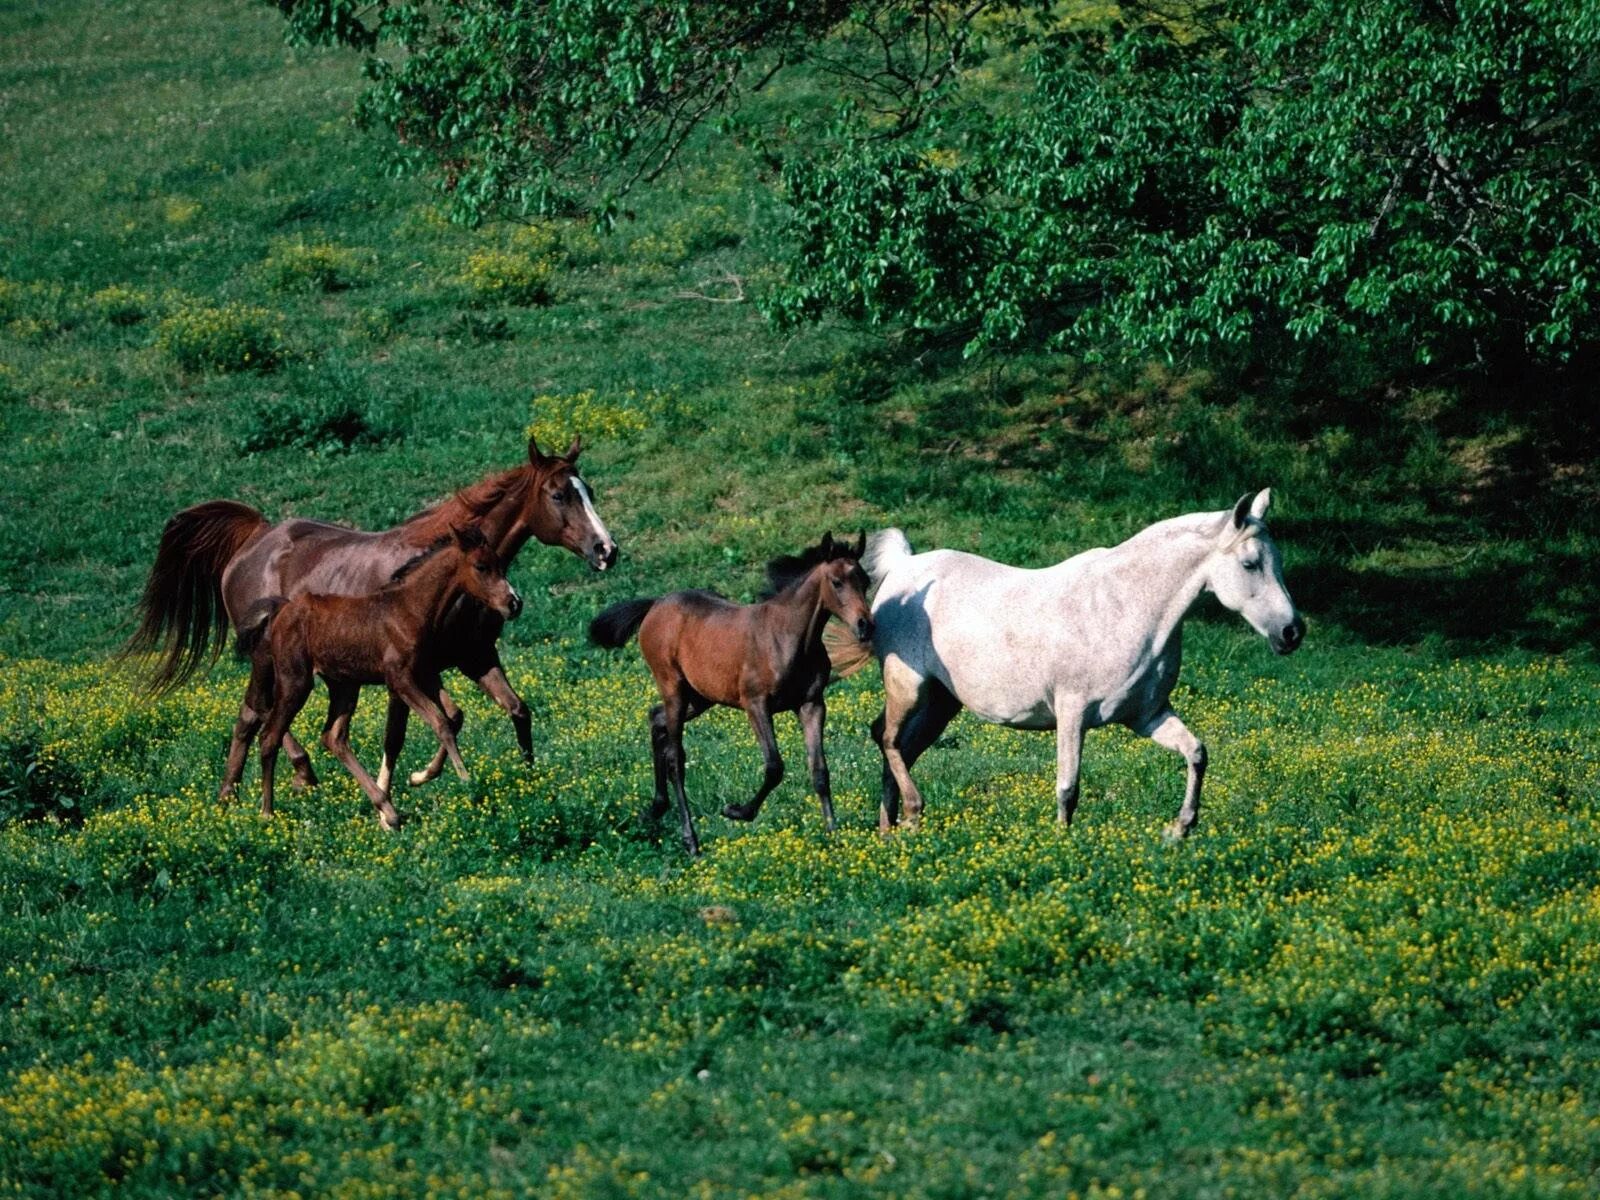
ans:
(393, 636)
(763, 658)
(219, 558)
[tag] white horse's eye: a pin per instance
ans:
(1251, 564)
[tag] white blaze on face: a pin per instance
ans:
(600, 529)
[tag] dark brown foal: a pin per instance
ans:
(764, 658)
(217, 561)
(394, 636)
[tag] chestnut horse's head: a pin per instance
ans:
(481, 573)
(558, 507)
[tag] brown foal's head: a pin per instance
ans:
(841, 582)
(844, 584)
(481, 574)
(559, 508)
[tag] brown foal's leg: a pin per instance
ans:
(772, 775)
(675, 711)
(812, 717)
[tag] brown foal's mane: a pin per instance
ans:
(788, 569)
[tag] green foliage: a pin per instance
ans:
(229, 337)
(328, 408)
(311, 266)
(1419, 182)
(1372, 970)
(509, 277)
(37, 782)
(119, 304)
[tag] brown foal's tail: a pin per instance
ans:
(181, 616)
(846, 652)
(615, 625)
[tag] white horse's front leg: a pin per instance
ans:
(1069, 755)
(1166, 730)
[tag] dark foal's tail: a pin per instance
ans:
(615, 625)
(181, 616)
(253, 625)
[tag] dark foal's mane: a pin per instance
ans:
(469, 537)
(788, 569)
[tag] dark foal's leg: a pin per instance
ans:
(342, 698)
(394, 741)
(454, 715)
(419, 693)
(761, 723)
(291, 689)
(252, 712)
(304, 776)
(812, 717)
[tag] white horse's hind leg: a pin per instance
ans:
(1069, 754)
(1167, 730)
(903, 694)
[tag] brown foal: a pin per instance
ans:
(764, 658)
(394, 636)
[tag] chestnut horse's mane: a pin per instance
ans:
(474, 500)
(787, 569)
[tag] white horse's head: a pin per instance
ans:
(1246, 574)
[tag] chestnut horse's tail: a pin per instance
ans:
(181, 615)
(615, 625)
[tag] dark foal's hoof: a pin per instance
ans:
(740, 812)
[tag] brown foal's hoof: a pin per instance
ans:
(740, 812)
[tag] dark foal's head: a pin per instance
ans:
(467, 564)
(842, 583)
(558, 507)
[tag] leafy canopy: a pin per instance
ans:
(1415, 175)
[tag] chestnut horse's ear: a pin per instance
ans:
(571, 456)
(861, 543)
(535, 455)
(827, 544)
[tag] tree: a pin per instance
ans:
(1418, 176)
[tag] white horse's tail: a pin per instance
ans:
(885, 549)
(848, 653)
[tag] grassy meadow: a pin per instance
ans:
(1373, 971)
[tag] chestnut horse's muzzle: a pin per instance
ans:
(603, 556)
(864, 629)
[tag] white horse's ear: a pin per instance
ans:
(1241, 510)
(1262, 502)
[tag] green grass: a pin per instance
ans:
(1371, 972)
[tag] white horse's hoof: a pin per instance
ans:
(1174, 833)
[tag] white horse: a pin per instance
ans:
(1092, 641)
